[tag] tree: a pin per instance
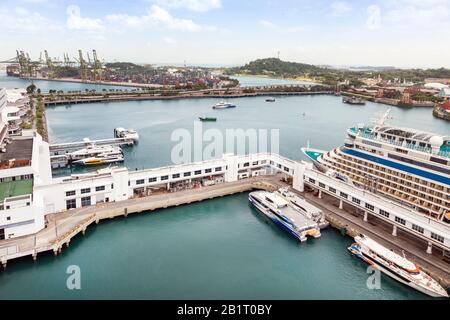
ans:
(31, 88)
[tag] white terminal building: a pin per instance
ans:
(28, 192)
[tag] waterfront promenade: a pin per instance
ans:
(62, 227)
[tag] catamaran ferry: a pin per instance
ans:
(307, 209)
(92, 151)
(284, 215)
(406, 165)
(395, 266)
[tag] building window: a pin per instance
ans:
(355, 200)
(344, 195)
(8, 218)
(332, 190)
(140, 181)
(112, 185)
(86, 190)
(437, 237)
(71, 204)
(208, 170)
(321, 185)
(100, 188)
(163, 178)
(400, 220)
(70, 193)
(247, 164)
(369, 206)
(198, 172)
(85, 201)
(187, 174)
(286, 169)
(384, 213)
(152, 180)
(417, 228)
(255, 163)
(263, 161)
(176, 176)
(218, 169)
(312, 180)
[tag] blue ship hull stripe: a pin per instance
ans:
(398, 166)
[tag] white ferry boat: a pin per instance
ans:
(92, 151)
(270, 99)
(406, 165)
(396, 266)
(307, 209)
(224, 105)
(126, 134)
(284, 215)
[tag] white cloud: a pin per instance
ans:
(270, 25)
(373, 21)
(155, 16)
(340, 8)
(170, 41)
(193, 5)
(76, 22)
(419, 11)
(24, 21)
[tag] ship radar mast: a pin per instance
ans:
(381, 121)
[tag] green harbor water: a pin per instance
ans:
(218, 249)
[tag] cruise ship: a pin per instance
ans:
(409, 166)
(279, 210)
(396, 266)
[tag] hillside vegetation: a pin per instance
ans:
(283, 69)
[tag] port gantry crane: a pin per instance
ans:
(83, 66)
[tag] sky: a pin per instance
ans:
(401, 33)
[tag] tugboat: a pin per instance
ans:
(353, 100)
(207, 119)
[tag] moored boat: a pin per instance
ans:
(270, 99)
(353, 100)
(277, 209)
(223, 105)
(396, 266)
(207, 119)
(99, 160)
